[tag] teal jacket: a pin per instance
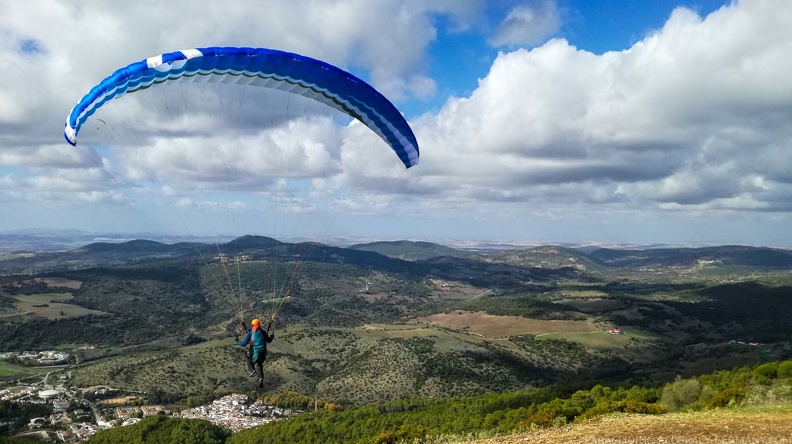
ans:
(260, 339)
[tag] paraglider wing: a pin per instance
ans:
(261, 67)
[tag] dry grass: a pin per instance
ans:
(754, 425)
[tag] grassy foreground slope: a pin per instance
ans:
(438, 421)
(725, 406)
(749, 424)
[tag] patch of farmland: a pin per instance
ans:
(492, 326)
(51, 306)
(62, 282)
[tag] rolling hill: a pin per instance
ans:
(548, 257)
(729, 255)
(409, 250)
(146, 296)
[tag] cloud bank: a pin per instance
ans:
(692, 121)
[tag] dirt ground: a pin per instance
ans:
(759, 425)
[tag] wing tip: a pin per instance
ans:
(70, 134)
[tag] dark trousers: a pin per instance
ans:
(260, 356)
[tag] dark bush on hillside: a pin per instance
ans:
(192, 340)
(680, 393)
(729, 395)
(765, 372)
(785, 369)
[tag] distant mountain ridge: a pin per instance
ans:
(137, 245)
(547, 257)
(248, 242)
(143, 247)
(54, 240)
(256, 247)
(409, 250)
(407, 256)
(732, 255)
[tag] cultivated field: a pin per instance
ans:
(61, 282)
(50, 306)
(49, 282)
(591, 335)
(599, 339)
(45, 305)
(492, 326)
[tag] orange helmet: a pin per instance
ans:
(255, 322)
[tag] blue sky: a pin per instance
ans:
(595, 26)
(601, 26)
(539, 121)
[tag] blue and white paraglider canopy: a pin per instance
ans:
(269, 68)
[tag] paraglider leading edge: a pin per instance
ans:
(269, 68)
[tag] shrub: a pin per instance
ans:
(778, 391)
(765, 372)
(644, 408)
(707, 393)
(785, 369)
(680, 393)
(643, 394)
(726, 397)
(542, 418)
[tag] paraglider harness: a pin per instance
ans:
(251, 350)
